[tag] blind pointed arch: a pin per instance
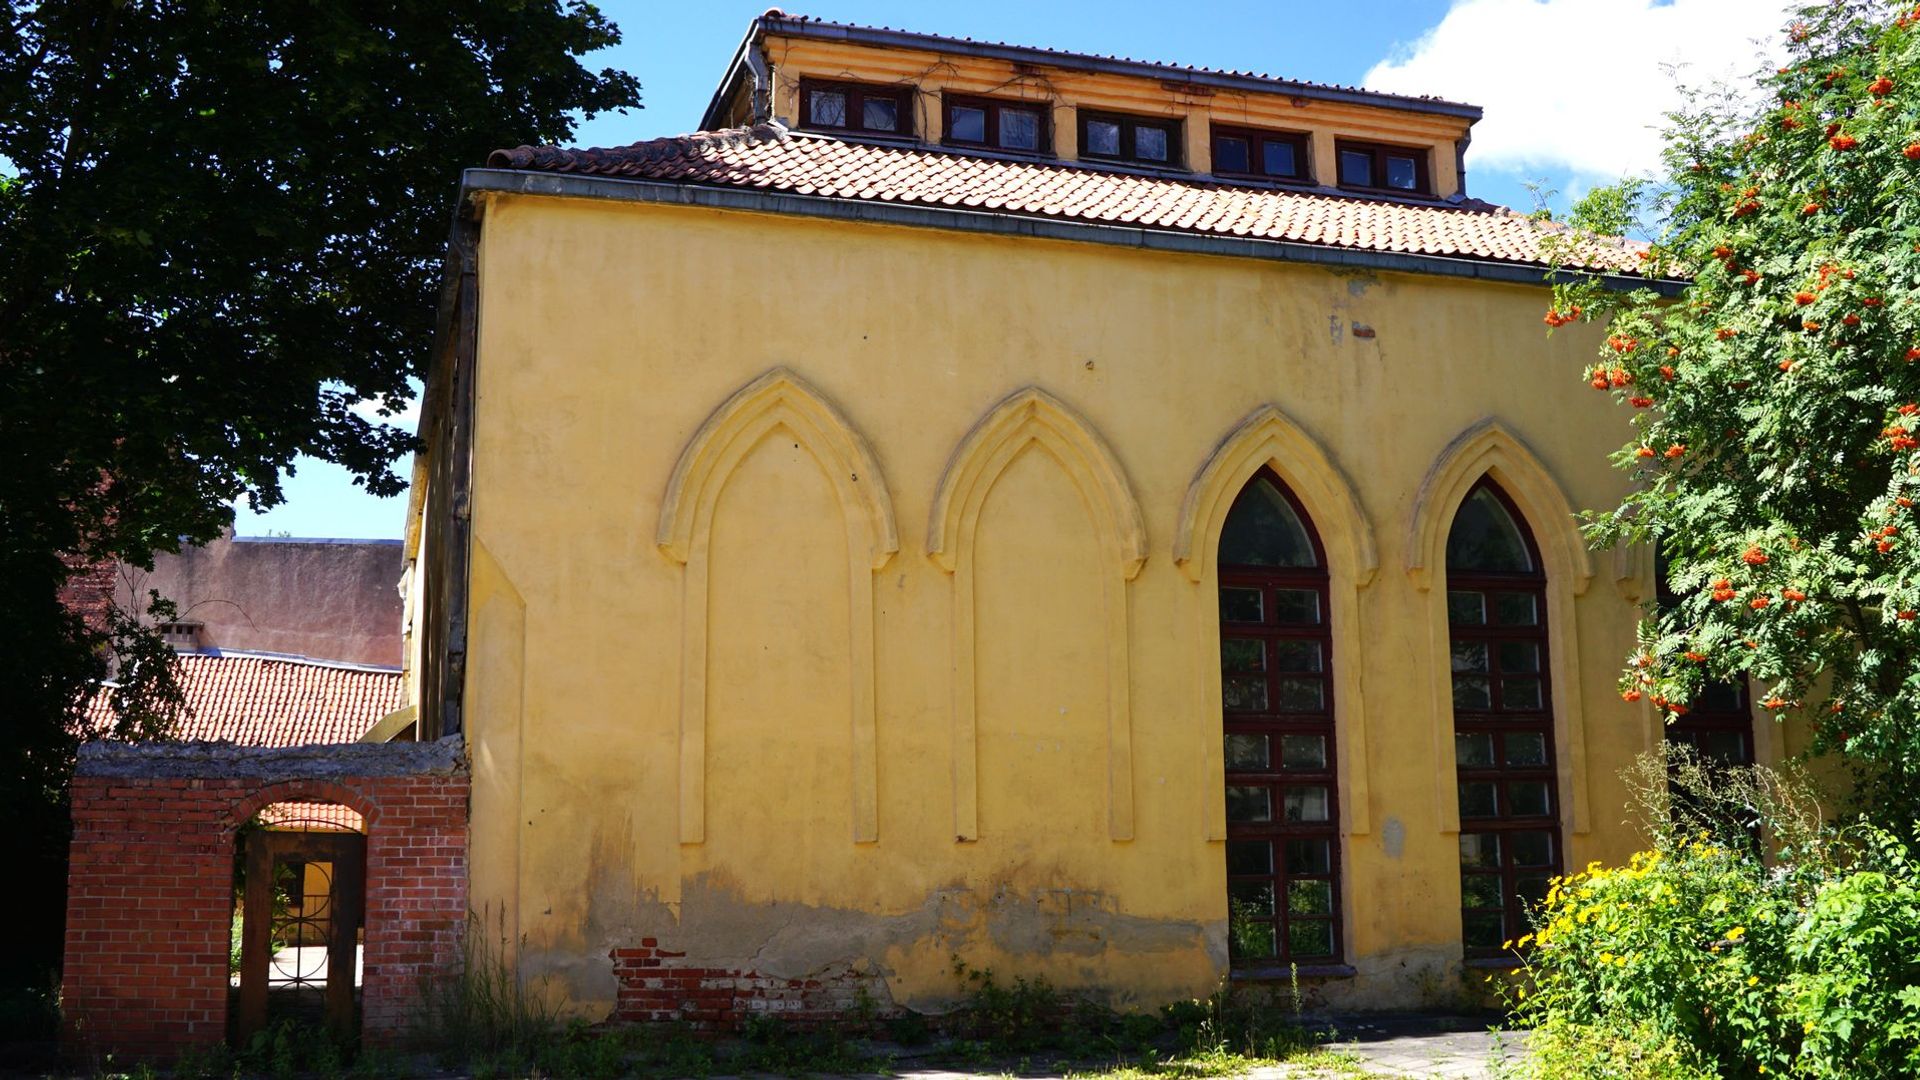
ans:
(1490, 449)
(1269, 438)
(777, 400)
(1025, 418)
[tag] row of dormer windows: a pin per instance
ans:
(1025, 127)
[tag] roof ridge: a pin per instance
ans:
(292, 658)
(565, 159)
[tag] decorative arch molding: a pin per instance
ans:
(1267, 437)
(778, 400)
(1490, 448)
(1024, 419)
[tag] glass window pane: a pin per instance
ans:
(1470, 692)
(1727, 747)
(1529, 798)
(1263, 530)
(1019, 129)
(1483, 929)
(1247, 752)
(967, 124)
(1244, 693)
(1303, 751)
(1306, 804)
(827, 108)
(1243, 654)
(1296, 655)
(1473, 750)
(1469, 656)
(1485, 536)
(1356, 168)
(1248, 803)
(1230, 154)
(1277, 158)
(1480, 850)
(1518, 657)
(1480, 891)
(1466, 608)
(1401, 173)
(880, 114)
(1302, 695)
(1296, 607)
(1306, 940)
(1721, 697)
(1308, 857)
(1246, 857)
(1253, 899)
(1103, 137)
(1310, 897)
(1249, 940)
(1150, 143)
(1240, 605)
(1526, 748)
(1532, 848)
(1520, 693)
(1479, 799)
(1515, 609)
(1532, 888)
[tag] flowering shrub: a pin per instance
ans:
(1699, 958)
(1776, 402)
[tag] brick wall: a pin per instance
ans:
(150, 901)
(657, 985)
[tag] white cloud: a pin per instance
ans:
(1580, 86)
(408, 418)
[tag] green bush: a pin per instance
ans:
(1702, 958)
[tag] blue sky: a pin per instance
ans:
(1572, 90)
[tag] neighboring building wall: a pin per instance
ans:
(150, 891)
(327, 599)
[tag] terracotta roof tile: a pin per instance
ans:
(311, 817)
(268, 701)
(769, 156)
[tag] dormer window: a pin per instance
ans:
(1269, 155)
(841, 106)
(1135, 139)
(1379, 167)
(1019, 126)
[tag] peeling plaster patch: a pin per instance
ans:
(1336, 327)
(1393, 837)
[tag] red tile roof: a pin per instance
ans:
(269, 701)
(769, 157)
(311, 817)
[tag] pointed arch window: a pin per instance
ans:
(1718, 725)
(1510, 841)
(1283, 852)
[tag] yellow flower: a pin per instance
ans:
(1606, 957)
(1807, 1028)
(1736, 933)
(1753, 980)
(1524, 938)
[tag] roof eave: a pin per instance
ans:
(884, 38)
(571, 185)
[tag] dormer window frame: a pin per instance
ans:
(1130, 125)
(1300, 141)
(993, 107)
(1379, 153)
(856, 95)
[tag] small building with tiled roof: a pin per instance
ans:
(1102, 521)
(260, 700)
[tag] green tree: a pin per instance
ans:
(221, 226)
(1777, 399)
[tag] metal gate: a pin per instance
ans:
(300, 920)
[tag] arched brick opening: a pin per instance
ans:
(149, 904)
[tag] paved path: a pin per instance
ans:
(1453, 1047)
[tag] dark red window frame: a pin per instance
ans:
(1377, 171)
(1129, 129)
(1256, 152)
(1289, 846)
(857, 95)
(1501, 728)
(993, 107)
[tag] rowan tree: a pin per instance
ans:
(1776, 398)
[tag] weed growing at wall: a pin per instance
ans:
(1700, 958)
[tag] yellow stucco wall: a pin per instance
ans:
(749, 732)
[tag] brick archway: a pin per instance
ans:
(150, 888)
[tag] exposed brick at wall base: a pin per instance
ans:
(150, 899)
(657, 986)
